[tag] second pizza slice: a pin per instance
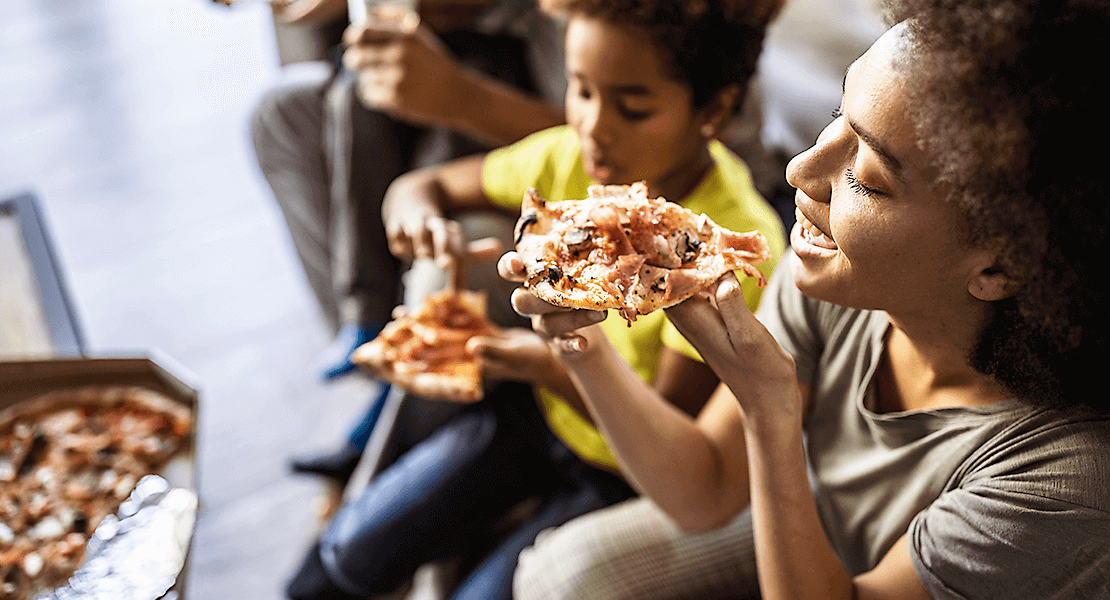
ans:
(424, 351)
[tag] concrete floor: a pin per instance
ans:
(128, 120)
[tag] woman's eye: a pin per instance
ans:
(856, 186)
(836, 114)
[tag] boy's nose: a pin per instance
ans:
(598, 124)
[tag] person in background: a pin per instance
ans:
(650, 85)
(464, 77)
(915, 413)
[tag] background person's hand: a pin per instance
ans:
(404, 70)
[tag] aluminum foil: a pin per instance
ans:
(138, 553)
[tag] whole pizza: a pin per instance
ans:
(68, 458)
(620, 249)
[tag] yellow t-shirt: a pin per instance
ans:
(550, 161)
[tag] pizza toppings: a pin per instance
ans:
(67, 460)
(620, 249)
(425, 352)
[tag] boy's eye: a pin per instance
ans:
(635, 115)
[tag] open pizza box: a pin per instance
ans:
(21, 380)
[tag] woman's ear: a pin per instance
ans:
(721, 110)
(990, 283)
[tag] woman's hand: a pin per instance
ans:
(741, 351)
(567, 329)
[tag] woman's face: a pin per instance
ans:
(634, 121)
(873, 230)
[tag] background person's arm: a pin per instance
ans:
(412, 76)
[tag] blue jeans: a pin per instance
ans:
(438, 499)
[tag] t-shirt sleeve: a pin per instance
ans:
(792, 319)
(534, 162)
(1031, 524)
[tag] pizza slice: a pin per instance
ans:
(424, 351)
(620, 249)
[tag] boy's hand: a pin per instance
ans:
(404, 70)
(567, 329)
(513, 354)
(418, 234)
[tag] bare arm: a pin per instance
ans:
(418, 205)
(753, 442)
(412, 76)
(793, 554)
(688, 466)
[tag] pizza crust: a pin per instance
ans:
(620, 249)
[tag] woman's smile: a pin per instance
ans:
(808, 238)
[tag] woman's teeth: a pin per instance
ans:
(812, 234)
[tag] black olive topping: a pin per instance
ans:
(528, 218)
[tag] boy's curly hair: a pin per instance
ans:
(709, 44)
(1014, 118)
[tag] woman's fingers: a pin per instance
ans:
(510, 267)
(738, 318)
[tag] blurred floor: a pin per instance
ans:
(128, 120)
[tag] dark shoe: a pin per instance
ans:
(338, 465)
(312, 583)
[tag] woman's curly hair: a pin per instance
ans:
(1014, 117)
(709, 44)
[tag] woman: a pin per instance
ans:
(916, 416)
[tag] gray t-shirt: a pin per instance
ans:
(1003, 501)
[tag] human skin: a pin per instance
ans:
(874, 232)
(634, 121)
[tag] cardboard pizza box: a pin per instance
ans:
(25, 379)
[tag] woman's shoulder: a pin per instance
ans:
(1035, 495)
(1055, 455)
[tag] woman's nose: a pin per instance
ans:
(814, 170)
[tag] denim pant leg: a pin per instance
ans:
(493, 577)
(425, 502)
(580, 488)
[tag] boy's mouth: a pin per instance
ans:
(598, 172)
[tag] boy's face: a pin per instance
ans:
(633, 120)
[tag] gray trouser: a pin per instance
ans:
(309, 133)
